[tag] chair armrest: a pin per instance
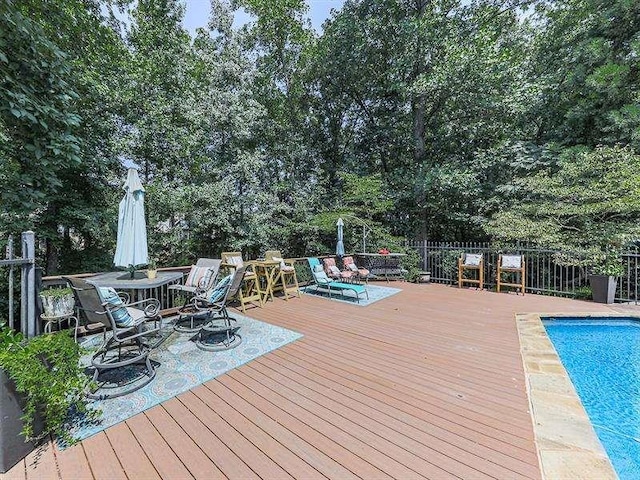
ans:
(151, 306)
(125, 297)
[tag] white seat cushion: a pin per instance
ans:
(472, 259)
(511, 261)
(236, 261)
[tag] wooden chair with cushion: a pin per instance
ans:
(286, 279)
(511, 264)
(249, 291)
(471, 262)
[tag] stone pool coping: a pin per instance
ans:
(567, 445)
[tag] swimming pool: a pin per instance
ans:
(602, 357)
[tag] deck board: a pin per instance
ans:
(427, 383)
(73, 462)
(130, 454)
(261, 463)
(312, 454)
(104, 463)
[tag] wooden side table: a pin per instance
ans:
(266, 270)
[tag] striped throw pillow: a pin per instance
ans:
(198, 276)
(218, 292)
(120, 315)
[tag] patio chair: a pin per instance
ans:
(322, 281)
(250, 291)
(126, 345)
(472, 262)
(218, 333)
(511, 264)
(201, 278)
(358, 273)
(286, 279)
(332, 270)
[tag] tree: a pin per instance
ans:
(75, 203)
(38, 119)
(413, 90)
(588, 203)
(585, 65)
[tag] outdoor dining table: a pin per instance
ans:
(137, 285)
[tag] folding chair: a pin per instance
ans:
(250, 291)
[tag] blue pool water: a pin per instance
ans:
(602, 357)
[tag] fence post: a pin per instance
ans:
(10, 257)
(424, 255)
(28, 323)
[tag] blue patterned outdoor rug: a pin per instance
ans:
(376, 294)
(181, 365)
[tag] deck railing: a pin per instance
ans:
(548, 271)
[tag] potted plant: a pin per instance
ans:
(152, 269)
(606, 270)
(41, 382)
(57, 302)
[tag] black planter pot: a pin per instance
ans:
(603, 288)
(13, 447)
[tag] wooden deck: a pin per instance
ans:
(425, 384)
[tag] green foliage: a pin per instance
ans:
(588, 203)
(591, 199)
(56, 292)
(46, 370)
(583, 293)
(37, 117)
(411, 263)
(436, 119)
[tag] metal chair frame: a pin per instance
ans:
(125, 346)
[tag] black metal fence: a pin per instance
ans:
(548, 271)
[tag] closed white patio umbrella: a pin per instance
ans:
(131, 247)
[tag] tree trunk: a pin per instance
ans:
(418, 109)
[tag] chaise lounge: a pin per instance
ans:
(322, 281)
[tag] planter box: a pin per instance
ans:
(13, 447)
(57, 306)
(603, 288)
(424, 277)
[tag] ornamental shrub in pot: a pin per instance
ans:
(604, 278)
(41, 383)
(57, 302)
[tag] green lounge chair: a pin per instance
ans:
(322, 281)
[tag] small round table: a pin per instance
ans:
(59, 319)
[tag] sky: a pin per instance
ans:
(197, 13)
